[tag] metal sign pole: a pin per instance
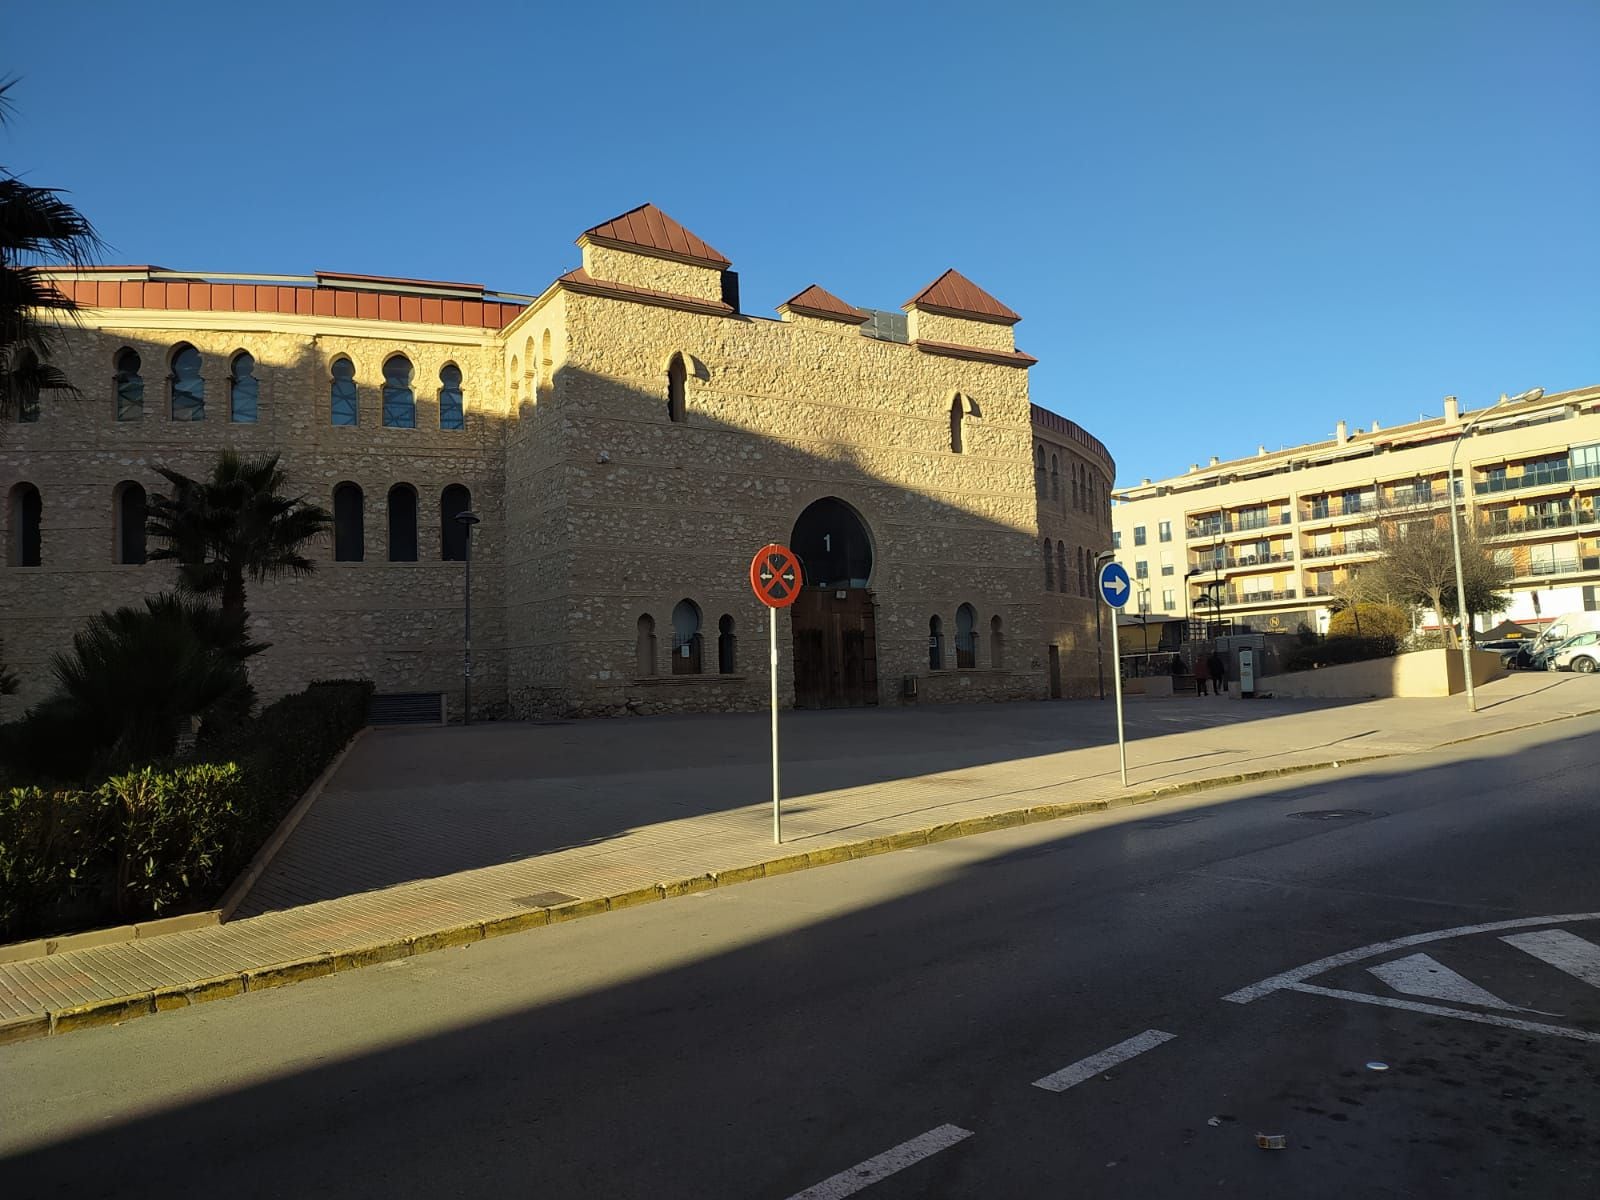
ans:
(777, 813)
(1116, 678)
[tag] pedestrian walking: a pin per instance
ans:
(1219, 674)
(1202, 672)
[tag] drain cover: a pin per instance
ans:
(1331, 814)
(542, 899)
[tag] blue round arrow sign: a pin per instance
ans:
(1114, 586)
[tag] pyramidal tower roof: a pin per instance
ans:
(649, 229)
(955, 294)
(818, 302)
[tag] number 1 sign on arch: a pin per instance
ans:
(776, 579)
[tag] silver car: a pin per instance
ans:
(1581, 653)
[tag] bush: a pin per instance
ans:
(163, 839)
(1337, 650)
(1376, 620)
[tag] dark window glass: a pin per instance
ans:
(130, 523)
(27, 518)
(686, 638)
(966, 637)
(402, 523)
(130, 387)
(452, 407)
(677, 376)
(243, 390)
(452, 533)
(343, 404)
(349, 535)
(188, 389)
(399, 403)
(1049, 568)
(936, 640)
(727, 645)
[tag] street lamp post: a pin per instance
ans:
(467, 520)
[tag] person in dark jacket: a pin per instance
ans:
(1219, 673)
(1202, 672)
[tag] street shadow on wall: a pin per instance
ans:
(618, 1057)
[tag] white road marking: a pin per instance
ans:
(1424, 975)
(864, 1175)
(1293, 978)
(1438, 1010)
(1565, 951)
(1088, 1068)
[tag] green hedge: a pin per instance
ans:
(166, 839)
(1337, 650)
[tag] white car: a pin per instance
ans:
(1581, 653)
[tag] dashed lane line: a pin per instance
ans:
(1088, 1068)
(865, 1174)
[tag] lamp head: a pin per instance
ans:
(468, 519)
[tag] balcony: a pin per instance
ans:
(1217, 526)
(1257, 597)
(1258, 560)
(1543, 477)
(1336, 551)
(1365, 504)
(1512, 526)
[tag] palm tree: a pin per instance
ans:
(37, 227)
(232, 525)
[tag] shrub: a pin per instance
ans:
(1337, 650)
(1375, 620)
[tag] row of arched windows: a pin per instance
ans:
(129, 501)
(687, 644)
(967, 648)
(1059, 566)
(1087, 491)
(186, 390)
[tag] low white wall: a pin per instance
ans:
(1421, 673)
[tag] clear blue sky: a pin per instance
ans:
(1223, 224)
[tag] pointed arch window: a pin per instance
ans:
(727, 646)
(677, 378)
(966, 637)
(453, 501)
(1055, 478)
(344, 404)
(1062, 578)
(27, 526)
(129, 385)
(935, 644)
(186, 384)
(452, 404)
(349, 532)
(244, 390)
(399, 401)
(686, 638)
(129, 511)
(402, 523)
(1049, 566)
(1083, 571)
(956, 414)
(1038, 471)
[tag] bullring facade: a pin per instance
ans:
(628, 438)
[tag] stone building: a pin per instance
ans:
(628, 438)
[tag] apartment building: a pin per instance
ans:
(1266, 543)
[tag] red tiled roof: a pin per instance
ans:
(957, 295)
(302, 301)
(648, 228)
(1006, 358)
(399, 280)
(581, 281)
(816, 302)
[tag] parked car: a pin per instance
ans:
(1581, 653)
(1507, 648)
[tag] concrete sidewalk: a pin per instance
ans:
(439, 837)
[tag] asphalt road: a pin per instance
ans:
(877, 1028)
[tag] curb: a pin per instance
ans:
(114, 1010)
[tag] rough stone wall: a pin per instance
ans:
(652, 273)
(1070, 602)
(780, 414)
(399, 624)
(937, 327)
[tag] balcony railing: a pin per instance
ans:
(1258, 560)
(1215, 526)
(1367, 502)
(1560, 566)
(1510, 526)
(1543, 477)
(1257, 597)
(1335, 551)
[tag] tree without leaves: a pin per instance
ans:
(37, 228)
(1416, 564)
(233, 525)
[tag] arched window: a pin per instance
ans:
(686, 638)
(344, 405)
(1062, 578)
(399, 403)
(1077, 488)
(644, 647)
(545, 376)
(130, 385)
(349, 532)
(452, 405)
(1055, 478)
(25, 385)
(243, 389)
(935, 644)
(677, 376)
(727, 645)
(966, 636)
(187, 387)
(1038, 471)
(402, 523)
(956, 413)
(27, 519)
(1083, 571)
(453, 501)
(515, 386)
(128, 517)
(997, 645)
(1049, 566)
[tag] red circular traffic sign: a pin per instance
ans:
(775, 575)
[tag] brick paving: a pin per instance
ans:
(425, 829)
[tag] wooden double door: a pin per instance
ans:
(835, 648)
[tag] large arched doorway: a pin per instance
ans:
(835, 632)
